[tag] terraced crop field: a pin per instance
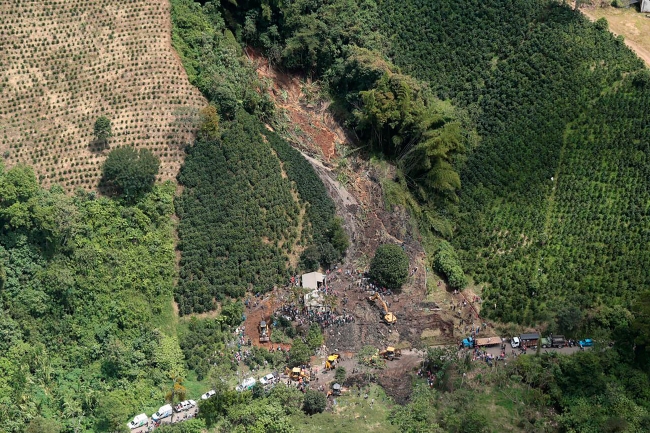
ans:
(67, 62)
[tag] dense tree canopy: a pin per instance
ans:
(390, 266)
(85, 286)
(131, 172)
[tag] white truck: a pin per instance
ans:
(139, 421)
(163, 412)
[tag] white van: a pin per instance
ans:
(246, 384)
(139, 421)
(163, 412)
(515, 342)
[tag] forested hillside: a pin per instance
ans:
(554, 209)
(249, 201)
(237, 213)
(85, 293)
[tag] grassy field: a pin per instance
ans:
(352, 414)
(68, 62)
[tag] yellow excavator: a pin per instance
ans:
(391, 353)
(332, 359)
(389, 317)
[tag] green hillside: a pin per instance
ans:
(85, 305)
(240, 218)
(554, 203)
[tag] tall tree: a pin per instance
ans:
(132, 173)
(102, 130)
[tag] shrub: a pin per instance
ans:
(390, 266)
(315, 402)
(446, 263)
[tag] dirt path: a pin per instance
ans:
(346, 203)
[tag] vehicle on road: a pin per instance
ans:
(558, 341)
(246, 384)
(163, 412)
(268, 379)
(530, 340)
(587, 342)
(515, 342)
(208, 394)
(139, 421)
(546, 342)
(184, 405)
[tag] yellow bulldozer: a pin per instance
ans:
(332, 360)
(389, 317)
(296, 374)
(391, 353)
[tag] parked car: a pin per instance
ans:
(139, 421)
(268, 379)
(208, 394)
(184, 405)
(514, 342)
(587, 342)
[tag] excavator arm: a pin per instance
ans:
(388, 316)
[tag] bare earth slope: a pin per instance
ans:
(66, 62)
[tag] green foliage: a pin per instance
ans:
(559, 166)
(340, 374)
(315, 402)
(315, 337)
(102, 129)
(446, 263)
(417, 416)
(235, 211)
(289, 398)
(43, 425)
(204, 344)
(131, 172)
(390, 266)
(216, 407)
(299, 353)
(326, 228)
(307, 35)
(188, 426)
(261, 415)
(569, 319)
(83, 279)
(208, 123)
(214, 61)
(641, 325)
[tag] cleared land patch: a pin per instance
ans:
(65, 63)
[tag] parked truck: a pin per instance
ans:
(482, 342)
(558, 341)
